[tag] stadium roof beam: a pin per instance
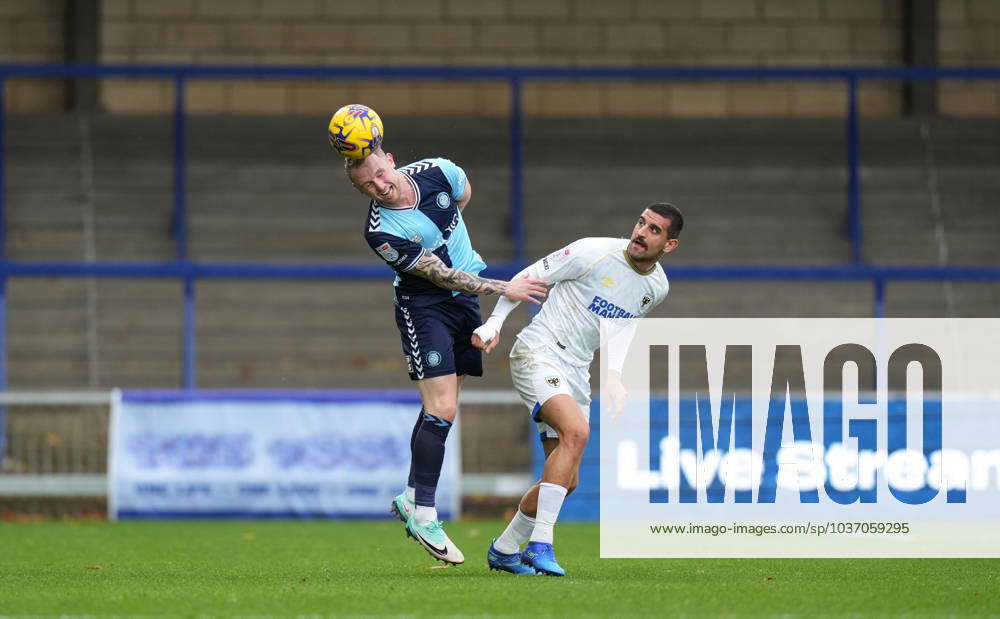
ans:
(82, 41)
(920, 49)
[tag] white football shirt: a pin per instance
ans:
(592, 278)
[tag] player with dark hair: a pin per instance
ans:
(415, 224)
(591, 279)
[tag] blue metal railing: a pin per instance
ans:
(189, 271)
(853, 172)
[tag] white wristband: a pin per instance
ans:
(488, 330)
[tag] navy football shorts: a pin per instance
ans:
(437, 338)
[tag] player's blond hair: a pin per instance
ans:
(353, 164)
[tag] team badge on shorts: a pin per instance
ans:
(443, 200)
(552, 380)
(646, 300)
(433, 358)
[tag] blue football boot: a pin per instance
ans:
(507, 563)
(541, 557)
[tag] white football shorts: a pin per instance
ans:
(538, 374)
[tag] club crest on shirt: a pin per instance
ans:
(443, 200)
(386, 251)
(646, 300)
(607, 282)
(552, 380)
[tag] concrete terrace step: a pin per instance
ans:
(46, 374)
(922, 299)
(43, 176)
(43, 206)
(756, 299)
(44, 345)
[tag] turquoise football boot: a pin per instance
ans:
(402, 507)
(541, 557)
(435, 541)
(512, 563)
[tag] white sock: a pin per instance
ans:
(550, 500)
(411, 494)
(516, 533)
(424, 514)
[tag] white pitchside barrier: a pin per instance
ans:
(226, 454)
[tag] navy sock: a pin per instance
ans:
(428, 456)
(413, 439)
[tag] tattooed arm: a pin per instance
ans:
(431, 268)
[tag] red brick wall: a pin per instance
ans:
(969, 35)
(32, 31)
(517, 32)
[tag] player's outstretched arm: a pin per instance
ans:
(560, 266)
(487, 335)
(431, 268)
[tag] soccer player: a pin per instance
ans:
(590, 279)
(415, 224)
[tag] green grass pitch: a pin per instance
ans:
(370, 568)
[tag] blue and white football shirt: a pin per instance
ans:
(400, 235)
